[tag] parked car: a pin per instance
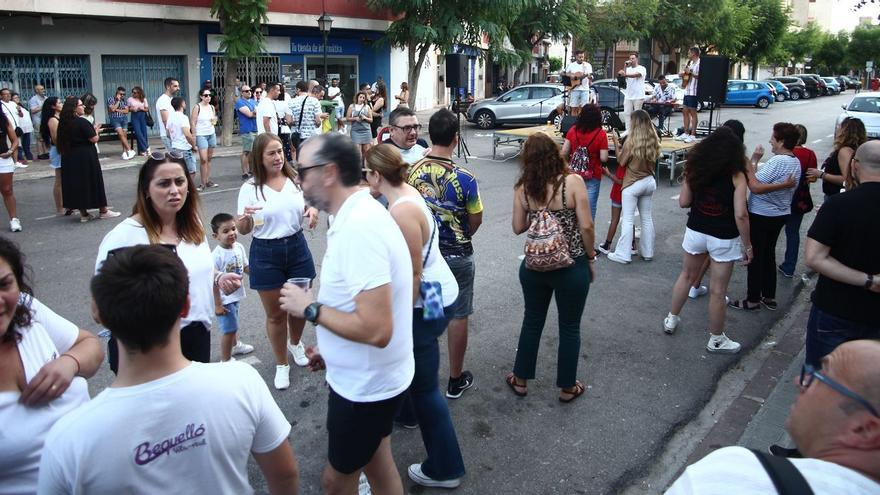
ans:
(796, 87)
(782, 92)
(815, 84)
(851, 82)
(832, 87)
(649, 86)
(841, 81)
(866, 107)
(742, 92)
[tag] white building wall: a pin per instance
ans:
(399, 71)
(26, 36)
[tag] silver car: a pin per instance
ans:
(526, 104)
(865, 107)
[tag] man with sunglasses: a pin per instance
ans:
(405, 129)
(246, 111)
(834, 423)
(363, 317)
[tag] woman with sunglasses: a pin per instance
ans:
(82, 182)
(139, 108)
(166, 211)
(423, 405)
(203, 119)
(272, 206)
(46, 361)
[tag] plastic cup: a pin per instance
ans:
(302, 282)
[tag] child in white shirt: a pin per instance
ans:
(229, 257)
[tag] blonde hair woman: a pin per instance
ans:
(639, 155)
(403, 97)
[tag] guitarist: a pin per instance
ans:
(581, 73)
(691, 75)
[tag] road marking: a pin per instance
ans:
(218, 191)
(675, 198)
(830, 135)
(44, 218)
(816, 141)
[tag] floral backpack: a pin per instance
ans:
(546, 247)
(579, 162)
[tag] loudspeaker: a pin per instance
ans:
(712, 84)
(456, 70)
(566, 124)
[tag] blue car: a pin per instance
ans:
(782, 92)
(751, 93)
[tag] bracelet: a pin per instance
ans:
(869, 280)
(74, 360)
(822, 175)
(217, 277)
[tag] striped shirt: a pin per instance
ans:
(122, 104)
(776, 171)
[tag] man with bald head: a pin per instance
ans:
(834, 422)
(842, 246)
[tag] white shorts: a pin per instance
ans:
(720, 250)
(7, 165)
(579, 98)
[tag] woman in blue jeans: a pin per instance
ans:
(423, 405)
(546, 183)
(138, 108)
(587, 138)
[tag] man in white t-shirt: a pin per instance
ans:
(690, 104)
(634, 95)
(179, 134)
(834, 422)
(163, 106)
(166, 424)
(334, 92)
(580, 93)
(363, 315)
(404, 134)
(267, 116)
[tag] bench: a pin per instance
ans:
(108, 133)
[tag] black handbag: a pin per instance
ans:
(149, 120)
(295, 135)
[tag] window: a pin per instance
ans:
(518, 94)
(541, 93)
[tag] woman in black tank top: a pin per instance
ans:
(714, 189)
(835, 171)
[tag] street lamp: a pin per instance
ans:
(324, 23)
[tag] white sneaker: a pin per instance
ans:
(617, 258)
(416, 474)
(282, 376)
(634, 251)
(298, 352)
(670, 323)
(364, 485)
(721, 344)
(228, 360)
(680, 137)
(242, 348)
(21, 165)
(694, 292)
(14, 225)
(689, 139)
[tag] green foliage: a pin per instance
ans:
(767, 34)
(830, 57)
(555, 64)
(864, 45)
(240, 22)
(527, 23)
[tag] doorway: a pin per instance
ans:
(341, 67)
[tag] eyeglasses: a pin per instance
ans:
(408, 128)
(258, 92)
(161, 155)
(206, 96)
(245, 91)
(302, 170)
(808, 372)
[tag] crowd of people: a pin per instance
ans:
(397, 273)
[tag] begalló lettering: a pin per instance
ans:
(146, 453)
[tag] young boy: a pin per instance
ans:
(229, 257)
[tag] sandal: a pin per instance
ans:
(769, 303)
(511, 382)
(742, 304)
(578, 391)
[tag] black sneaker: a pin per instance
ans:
(604, 248)
(457, 386)
(780, 451)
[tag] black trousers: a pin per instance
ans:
(761, 280)
(195, 342)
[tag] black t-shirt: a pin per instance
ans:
(849, 223)
(831, 166)
(712, 210)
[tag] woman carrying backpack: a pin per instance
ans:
(586, 149)
(550, 204)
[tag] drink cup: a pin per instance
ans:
(302, 282)
(811, 178)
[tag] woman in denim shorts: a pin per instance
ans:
(203, 120)
(272, 206)
(49, 116)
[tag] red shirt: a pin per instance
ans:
(599, 142)
(617, 188)
(806, 157)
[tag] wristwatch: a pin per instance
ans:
(869, 280)
(312, 311)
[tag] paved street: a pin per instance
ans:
(643, 385)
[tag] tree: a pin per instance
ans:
(864, 45)
(240, 22)
(421, 25)
(830, 57)
(555, 63)
(608, 22)
(773, 23)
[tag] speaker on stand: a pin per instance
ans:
(712, 83)
(456, 78)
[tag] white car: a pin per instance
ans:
(865, 107)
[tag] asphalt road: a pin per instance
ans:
(642, 383)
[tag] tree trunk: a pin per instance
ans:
(415, 59)
(229, 101)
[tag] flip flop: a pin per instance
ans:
(743, 305)
(511, 382)
(769, 303)
(578, 391)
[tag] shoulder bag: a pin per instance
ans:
(295, 135)
(787, 479)
(431, 290)
(546, 247)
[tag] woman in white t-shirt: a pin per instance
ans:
(166, 212)
(424, 405)
(203, 118)
(272, 206)
(46, 361)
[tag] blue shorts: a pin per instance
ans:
(54, 157)
(690, 101)
(273, 261)
(579, 97)
(462, 268)
(166, 141)
(205, 142)
(228, 323)
(190, 159)
(119, 122)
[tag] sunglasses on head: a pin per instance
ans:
(161, 155)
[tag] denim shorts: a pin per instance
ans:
(247, 141)
(54, 157)
(463, 269)
(690, 101)
(190, 159)
(273, 261)
(119, 122)
(205, 142)
(228, 323)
